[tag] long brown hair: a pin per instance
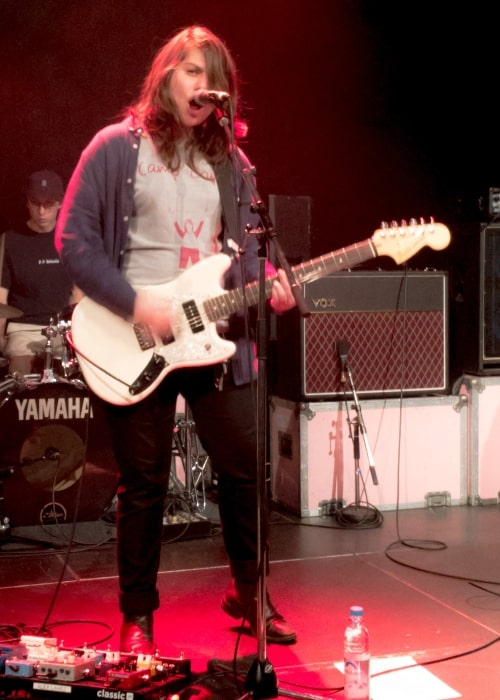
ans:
(155, 108)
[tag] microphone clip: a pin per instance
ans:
(342, 351)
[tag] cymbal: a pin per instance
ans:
(7, 311)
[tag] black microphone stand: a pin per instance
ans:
(261, 682)
(4, 518)
(356, 514)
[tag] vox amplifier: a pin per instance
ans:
(392, 328)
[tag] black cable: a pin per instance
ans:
(372, 517)
(69, 548)
(443, 574)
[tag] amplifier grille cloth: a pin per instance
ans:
(388, 351)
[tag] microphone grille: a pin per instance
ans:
(342, 347)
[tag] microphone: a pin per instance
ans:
(211, 97)
(342, 350)
(51, 454)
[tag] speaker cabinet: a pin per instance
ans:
(291, 217)
(475, 300)
(489, 300)
(394, 327)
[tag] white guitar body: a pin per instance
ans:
(124, 362)
(118, 358)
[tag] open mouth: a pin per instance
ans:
(194, 105)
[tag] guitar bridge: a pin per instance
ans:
(151, 372)
(144, 336)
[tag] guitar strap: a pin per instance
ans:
(229, 194)
(233, 238)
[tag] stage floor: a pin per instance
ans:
(427, 578)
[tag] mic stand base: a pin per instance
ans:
(261, 680)
(357, 515)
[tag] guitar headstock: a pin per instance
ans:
(402, 241)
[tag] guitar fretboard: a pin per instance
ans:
(229, 302)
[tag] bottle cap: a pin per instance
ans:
(356, 611)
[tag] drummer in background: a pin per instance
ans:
(32, 279)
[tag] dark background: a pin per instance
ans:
(377, 110)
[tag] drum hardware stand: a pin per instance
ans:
(48, 370)
(4, 519)
(69, 365)
(10, 385)
(195, 463)
(356, 514)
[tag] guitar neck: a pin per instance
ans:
(235, 300)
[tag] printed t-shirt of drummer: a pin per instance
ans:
(34, 275)
(177, 219)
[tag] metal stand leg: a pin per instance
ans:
(357, 514)
(4, 518)
(195, 463)
(48, 370)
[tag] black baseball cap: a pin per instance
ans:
(45, 185)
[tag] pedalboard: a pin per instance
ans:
(37, 667)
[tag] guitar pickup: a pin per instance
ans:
(144, 336)
(193, 316)
(151, 372)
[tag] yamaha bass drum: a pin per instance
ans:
(56, 447)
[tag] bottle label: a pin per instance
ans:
(357, 678)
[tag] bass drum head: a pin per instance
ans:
(56, 439)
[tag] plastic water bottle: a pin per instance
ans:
(356, 656)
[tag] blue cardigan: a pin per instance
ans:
(92, 227)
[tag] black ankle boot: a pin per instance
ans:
(240, 601)
(136, 635)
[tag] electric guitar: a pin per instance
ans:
(123, 362)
